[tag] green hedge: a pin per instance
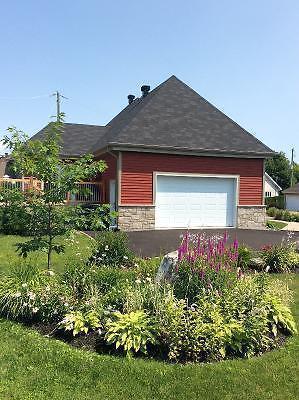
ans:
(277, 201)
(283, 215)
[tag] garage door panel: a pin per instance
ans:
(194, 201)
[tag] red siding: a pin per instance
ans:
(110, 173)
(138, 168)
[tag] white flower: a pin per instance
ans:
(103, 254)
(66, 304)
(51, 273)
(148, 279)
(47, 288)
(31, 295)
(35, 310)
(135, 265)
(18, 294)
(24, 285)
(267, 268)
(138, 281)
(106, 247)
(125, 257)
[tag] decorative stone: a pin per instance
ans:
(252, 217)
(136, 218)
(257, 263)
(167, 267)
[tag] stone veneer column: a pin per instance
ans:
(252, 217)
(136, 218)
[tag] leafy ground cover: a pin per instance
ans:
(80, 243)
(35, 367)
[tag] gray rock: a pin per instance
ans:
(257, 263)
(167, 266)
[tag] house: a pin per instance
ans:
(271, 188)
(175, 161)
(291, 196)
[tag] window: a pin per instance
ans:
(268, 194)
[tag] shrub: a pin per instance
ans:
(112, 249)
(93, 217)
(77, 322)
(14, 216)
(133, 331)
(283, 215)
(279, 257)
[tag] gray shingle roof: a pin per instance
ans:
(77, 139)
(292, 190)
(174, 116)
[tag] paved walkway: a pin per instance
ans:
(154, 243)
(291, 226)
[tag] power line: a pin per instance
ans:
(26, 98)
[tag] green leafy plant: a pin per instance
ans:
(77, 322)
(133, 331)
(112, 249)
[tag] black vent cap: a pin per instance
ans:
(145, 89)
(131, 98)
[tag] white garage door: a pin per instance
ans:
(292, 202)
(191, 202)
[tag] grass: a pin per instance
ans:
(8, 255)
(276, 225)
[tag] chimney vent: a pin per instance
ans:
(131, 98)
(145, 89)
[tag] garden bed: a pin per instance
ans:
(208, 308)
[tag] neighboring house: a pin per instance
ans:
(291, 196)
(4, 161)
(175, 161)
(271, 188)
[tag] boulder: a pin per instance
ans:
(257, 263)
(167, 267)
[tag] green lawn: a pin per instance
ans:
(35, 367)
(9, 257)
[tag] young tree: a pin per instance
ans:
(40, 159)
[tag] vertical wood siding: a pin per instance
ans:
(137, 174)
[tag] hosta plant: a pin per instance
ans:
(133, 331)
(77, 322)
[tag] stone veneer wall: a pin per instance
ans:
(252, 217)
(136, 218)
(141, 218)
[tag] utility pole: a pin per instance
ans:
(58, 100)
(292, 167)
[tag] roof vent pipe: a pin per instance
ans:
(145, 89)
(131, 98)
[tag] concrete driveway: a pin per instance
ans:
(154, 243)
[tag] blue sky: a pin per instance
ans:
(243, 56)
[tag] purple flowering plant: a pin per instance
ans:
(205, 262)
